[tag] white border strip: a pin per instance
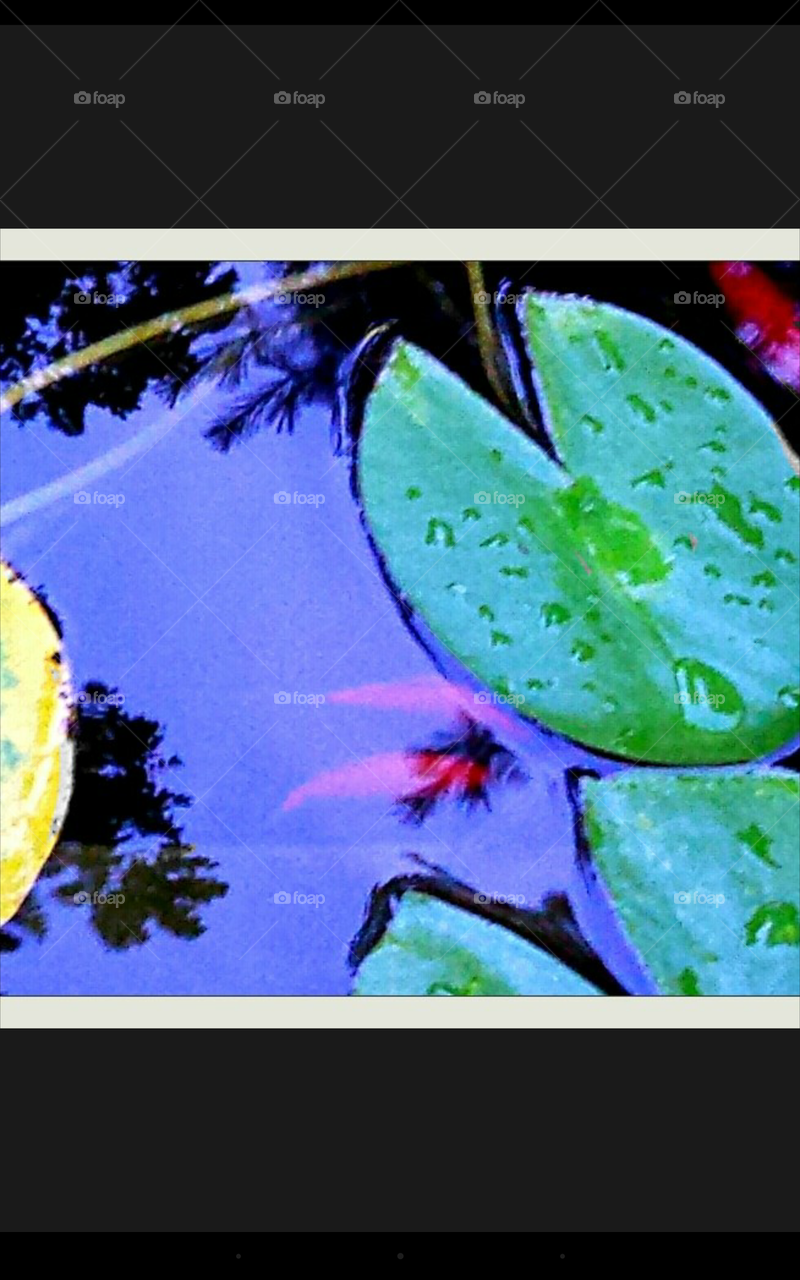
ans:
(326, 245)
(364, 1012)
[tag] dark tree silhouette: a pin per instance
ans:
(292, 355)
(41, 321)
(29, 922)
(121, 855)
(433, 305)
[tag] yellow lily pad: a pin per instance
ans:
(36, 750)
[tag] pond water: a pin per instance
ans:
(234, 599)
(201, 599)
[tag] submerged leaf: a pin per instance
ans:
(433, 949)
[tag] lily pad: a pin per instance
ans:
(36, 750)
(434, 949)
(612, 610)
(703, 871)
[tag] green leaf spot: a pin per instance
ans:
(641, 408)
(439, 534)
(781, 921)
(759, 842)
(688, 984)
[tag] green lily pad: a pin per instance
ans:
(640, 625)
(703, 871)
(433, 949)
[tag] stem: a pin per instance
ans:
(173, 321)
(552, 930)
(487, 340)
(79, 479)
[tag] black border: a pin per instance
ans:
(577, 1137)
(190, 146)
(586, 1133)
